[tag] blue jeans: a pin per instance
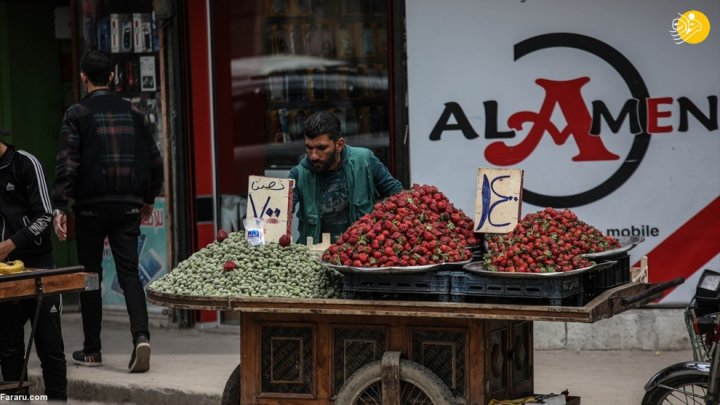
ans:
(121, 224)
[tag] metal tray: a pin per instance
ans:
(392, 270)
(383, 270)
(626, 243)
(477, 267)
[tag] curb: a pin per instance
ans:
(125, 394)
(648, 329)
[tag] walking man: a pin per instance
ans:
(109, 166)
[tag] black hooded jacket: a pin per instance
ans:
(25, 208)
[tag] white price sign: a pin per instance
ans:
(498, 199)
(270, 200)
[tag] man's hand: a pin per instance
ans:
(60, 224)
(6, 247)
(146, 212)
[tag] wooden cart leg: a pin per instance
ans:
(391, 378)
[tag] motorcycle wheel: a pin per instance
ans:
(679, 389)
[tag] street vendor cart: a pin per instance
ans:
(39, 283)
(429, 313)
(351, 351)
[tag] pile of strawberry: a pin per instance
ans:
(544, 242)
(412, 228)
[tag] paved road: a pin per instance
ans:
(601, 377)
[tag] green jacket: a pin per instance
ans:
(368, 180)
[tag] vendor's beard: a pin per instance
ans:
(325, 165)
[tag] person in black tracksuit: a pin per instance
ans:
(25, 224)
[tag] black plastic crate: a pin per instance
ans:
(467, 286)
(432, 285)
(387, 296)
(602, 279)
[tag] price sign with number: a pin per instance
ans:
(498, 201)
(270, 199)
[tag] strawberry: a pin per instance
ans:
(229, 265)
(393, 232)
(284, 240)
(546, 241)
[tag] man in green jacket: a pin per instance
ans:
(335, 184)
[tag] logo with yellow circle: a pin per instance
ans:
(691, 27)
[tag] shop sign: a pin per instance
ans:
(582, 124)
(598, 126)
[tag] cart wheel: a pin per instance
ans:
(418, 386)
(231, 393)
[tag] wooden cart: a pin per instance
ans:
(37, 283)
(329, 351)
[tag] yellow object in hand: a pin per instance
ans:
(14, 266)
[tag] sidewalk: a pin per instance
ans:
(191, 366)
(188, 366)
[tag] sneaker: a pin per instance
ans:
(140, 359)
(87, 359)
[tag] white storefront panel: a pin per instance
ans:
(606, 114)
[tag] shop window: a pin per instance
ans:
(127, 32)
(277, 61)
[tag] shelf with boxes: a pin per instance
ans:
(339, 38)
(286, 124)
(324, 8)
(131, 40)
(127, 32)
(122, 32)
(358, 96)
(331, 55)
(135, 73)
(328, 84)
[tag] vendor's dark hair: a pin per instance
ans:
(97, 66)
(322, 122)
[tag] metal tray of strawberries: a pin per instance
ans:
(395, 269)
(479, 268)
(626, 244)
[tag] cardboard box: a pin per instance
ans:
(154, 33)
(147, 73)
(126, 41)
(120, 33)
(103, 34)
(142, 32)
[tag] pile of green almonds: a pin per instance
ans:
(261, 271)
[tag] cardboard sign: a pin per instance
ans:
(498, 199)
(270, 199)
